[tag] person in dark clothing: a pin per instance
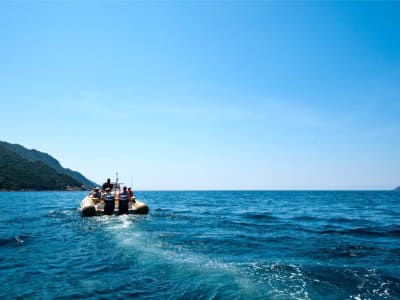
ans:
(124, 192)
(107, 184)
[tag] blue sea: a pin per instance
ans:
(203, 245)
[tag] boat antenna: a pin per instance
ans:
(116, 185)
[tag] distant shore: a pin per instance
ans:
(33, 190)
(211, 190)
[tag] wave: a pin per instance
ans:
(350, 251)
(358, 282)
(307, 218)
(16, 240)
(390, 231)
(258, 216)
(185, 215)
(344, 220)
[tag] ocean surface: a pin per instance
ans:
(203, 245)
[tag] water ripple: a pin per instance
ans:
(204, 245)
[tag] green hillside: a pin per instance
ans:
(34, 155)
(17, 173)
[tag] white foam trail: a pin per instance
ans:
(154, 254)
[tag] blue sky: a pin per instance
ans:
(207, 95)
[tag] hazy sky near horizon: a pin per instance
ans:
(207, 95)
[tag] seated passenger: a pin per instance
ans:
(124, 192)
(130, 193)
(95, 193)
(105, 192)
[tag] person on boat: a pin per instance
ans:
(124, 192)
(107, 184)
(131, 195)
(95, 193)
(106, 192)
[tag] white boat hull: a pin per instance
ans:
(94, 207)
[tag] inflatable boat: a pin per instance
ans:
(111, 201)
(111, 205)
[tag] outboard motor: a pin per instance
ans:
(123, 204)
(109, 204)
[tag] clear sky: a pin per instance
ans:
(207, 95)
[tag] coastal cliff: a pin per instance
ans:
(24, 169)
